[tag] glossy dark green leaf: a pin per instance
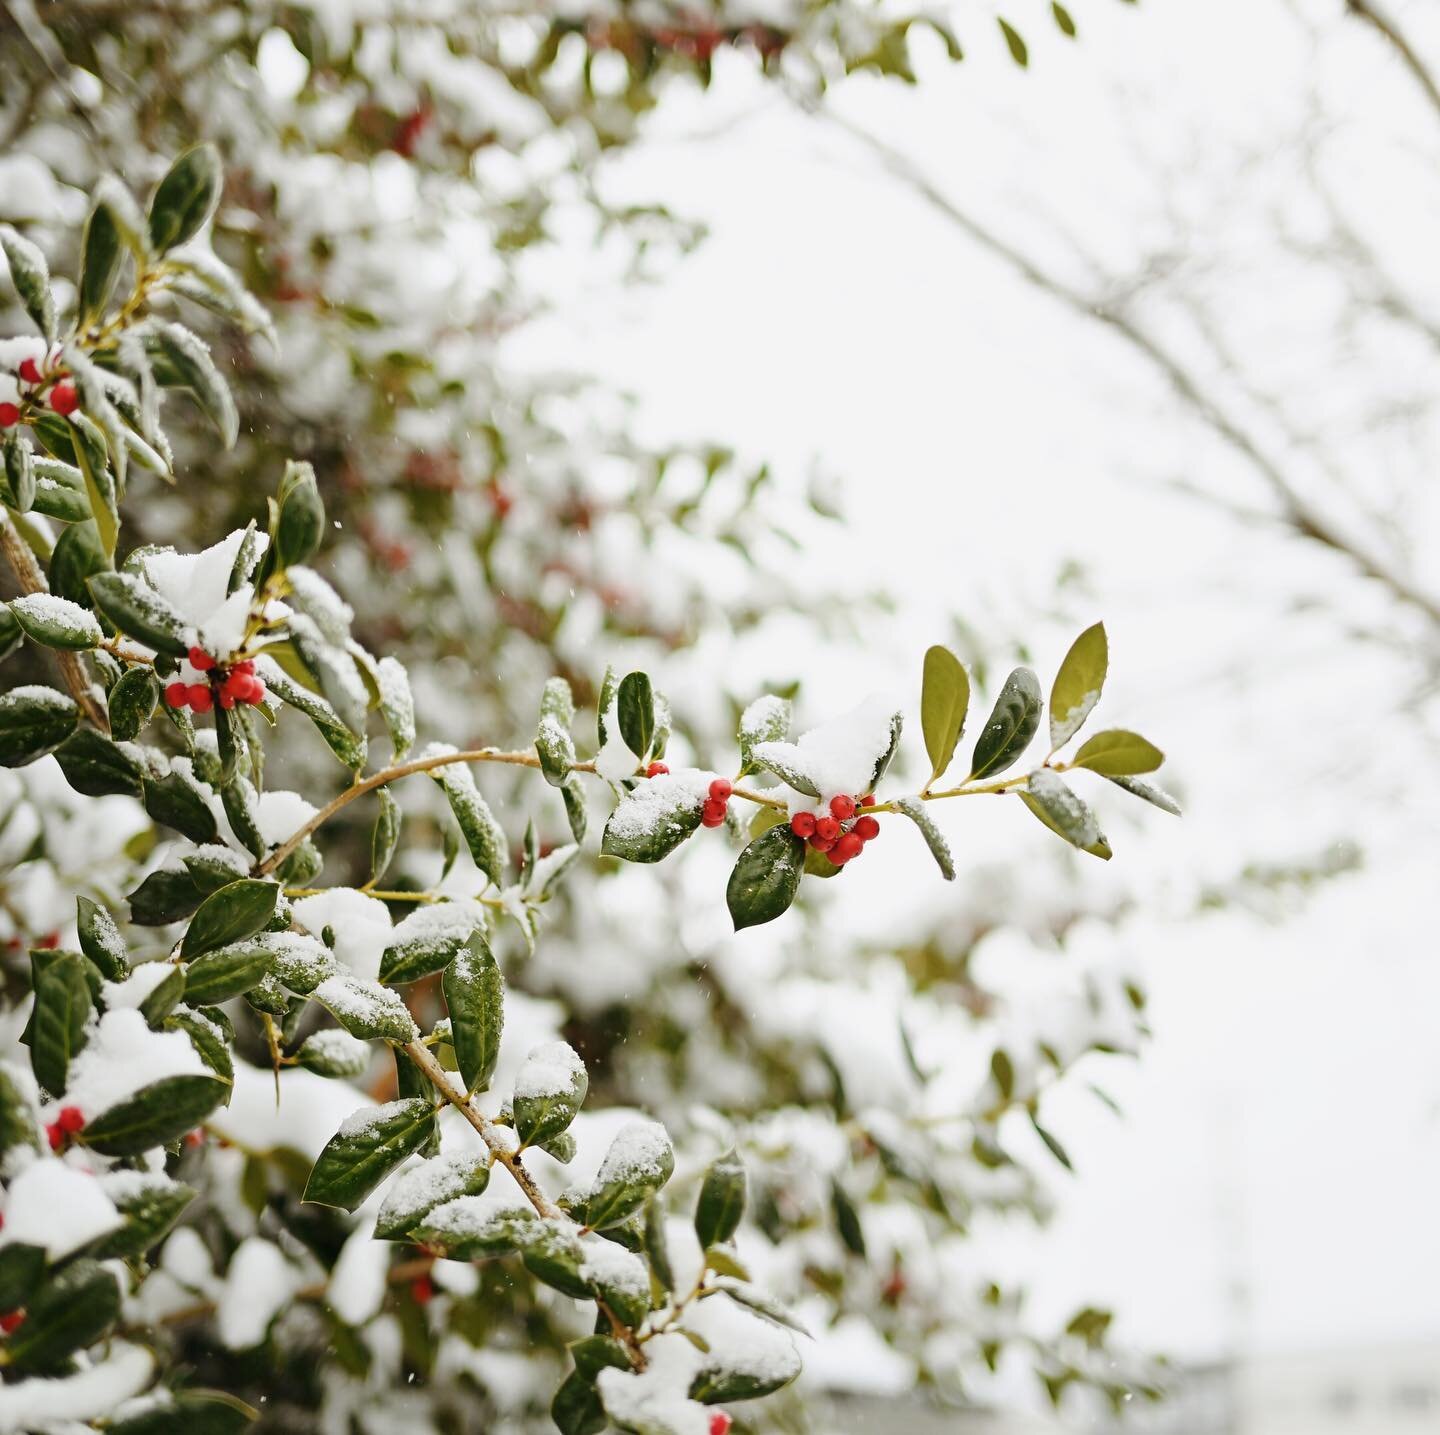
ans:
(21, 1268)
(549, 1092)
(350, 747)
(163, 997)
(576, 1408)
(635, 704)
(752, 1298)
(230, 915)
(56, 622)
(657, 1244)
(765, 878)
(156, 1115)
(722, 1200)
(208, 1036)
(68, 1313)
(227, 972)
(176, 801)
(163, 897)
(1010, 726)
(181, 360)
(149, 1211)
(133, 701)
(629, 1175)
(424, 1187)
(94, 765)
(140, 612)
(62, 1007)
(483, 834)
(386, 835)
(101, 251)
(100, 939)
(300, 524)
(370, 1145)
(553, 742)
(34, 721)
(847, 1220)
(11, 633)
(653, 819)
(186, 198)
(475, 999)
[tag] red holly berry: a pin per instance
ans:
(868, 800)
(421, 1290)
(226, 699)
(656, 769)
(195, 1138)
(70, 1120)
(245, 669)
(823, 844)
(845, 848)
(803, 825)
(256, 692)
(30, 371)
(49, 941)
(865, 828)
(842, 808)
(200, 660)
(55, 1136)
(713, 813)
(10, 1321)
(177, 695)
(63, 399)
(200, 697)
(827, 828)
(721, 789)
(720, 1422)
(9, 416)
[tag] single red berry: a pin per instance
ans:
(865, 828)
(63, 399)
(803, 825)
(49, 941)
(200, 697)
(656, 769)
(721, 789)
(9, 416)
(226, 699)
(70, 1120)
(195, 1138)
(868, 800)
(842, 808)
(828, 828)
(823, 844)
(847, 847)
(55, 1136)
(720, 1422)
(244, 669)
(421, 1290)
(177, 695)
(256, 691)
(200, 660)
(30, 371)
(11, 1320)
(712, 814)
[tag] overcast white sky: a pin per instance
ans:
(1283, 1130)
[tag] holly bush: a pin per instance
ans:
(137, 1142)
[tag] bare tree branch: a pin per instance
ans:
(1301, 515)
(1372, 15)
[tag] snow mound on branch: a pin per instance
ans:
(552, 1069)
(124, 1056)
(197, 586)
(361, 926)
(42, 1404)
(310, 1109)
(838, 756)
(258, 1286)
(52, 1205)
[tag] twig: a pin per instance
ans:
(1372, 15)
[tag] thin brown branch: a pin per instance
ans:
(1300, 514)
(32, 580)
(496, 1138)
(1396, 38)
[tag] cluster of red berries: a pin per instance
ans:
(63, 397)
(828, 834)
(227, 686)
(70, 1122)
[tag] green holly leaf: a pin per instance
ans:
(475, 999)
(1117, 753)
(722, 1200)
(914, 809)
(34, 721)
(765, 878)
(238, 910)
(100, 940)
(186, 198)
(420, 1189)
(156, 1115)
(30, 275)
(1148, 792)
(655, 817)
(1010, 726)
(139, 611)
(1057, 806)
(133, 701)
(367, 1147)
(150, 1210)
(226, 972)
(101, 251)
(94, 765)
(62, 1007)
(68, 1313)
(1078, 684)
(549, 1092)
(553, 741)
(635, 703)
(176, 801)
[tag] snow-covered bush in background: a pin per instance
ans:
(493, 536)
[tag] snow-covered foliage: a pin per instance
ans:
(196, 1014)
